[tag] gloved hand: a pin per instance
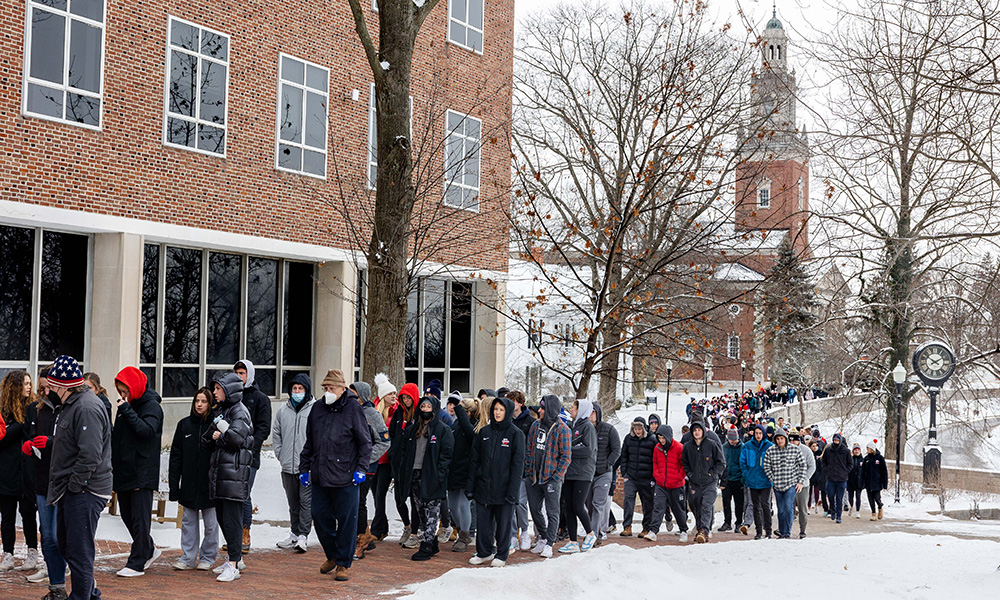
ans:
(26, 447)
(359, 477)
(39, 441)
(304, 479)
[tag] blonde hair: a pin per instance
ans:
(484, 413)
(384, 407)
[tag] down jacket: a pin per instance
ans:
(609, 445)
(668, 468)
(229, 471)
(463, 433)
(338, 442)
(637, 456)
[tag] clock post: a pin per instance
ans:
(934, 363)
(932, 452)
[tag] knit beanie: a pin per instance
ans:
(382, 386)
(335, 377)
(871, 446)
(732, 435)
(65, 373)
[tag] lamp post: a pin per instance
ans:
(743, 377)
(670, 368)
(898, 376)
(708, 364)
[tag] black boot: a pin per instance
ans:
(434, 547)
(425, 552)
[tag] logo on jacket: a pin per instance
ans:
(504, 443)
(385, 436)
(433, 439)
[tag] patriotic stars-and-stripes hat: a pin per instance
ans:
(65, 373)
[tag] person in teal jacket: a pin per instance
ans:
(752, 465)
(732, 481)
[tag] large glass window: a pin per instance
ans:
(63, 311)
(218, 308)
(197, 84)
(461, 186)
(64, 48)
(302, 110)
(465, 24)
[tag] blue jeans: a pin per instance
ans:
(335, 515)
(54, 561)
(835, 490)
(76, 543)
(785, 502)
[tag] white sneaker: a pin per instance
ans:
(498, 563)
(857, 515)
(39, 576)
(513, 545)
(7, 563)
(156, 554)
(31, 562)
(288, 542)
(539, 546)
(546, 552)
(302, 543)
(650, 536)
(204, 565)
(588, 542)
(684, 537)
(229, 573)
(525, 541)
(478, 560)
(240, 565)
(127, 572)
(180, 565)
(444, 535)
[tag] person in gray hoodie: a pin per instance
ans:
(380, 445)
(802, 497)
(609, 448)
(288, 436)
(580, 476)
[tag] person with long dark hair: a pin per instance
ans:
(190, 461)
(15, 489)
(402, 418)
(427, 451)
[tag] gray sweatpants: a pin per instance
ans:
(667, 501)
(299, 503)
(190, 534)
(703, 505)
(461, 510)
(519, 520)
(802, 503)
(546, 521)
(600, 504)
(748, 511)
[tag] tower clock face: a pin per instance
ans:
(934, 362)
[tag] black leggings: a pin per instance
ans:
(8, 515)
(230, 515)
(380, 522)
(406, 515)
(574, 496)
(854, 499)
(875, 497)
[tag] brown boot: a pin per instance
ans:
(246, 540)
(880, 513)
(874, 517)
(328, 566)
(627, 532)
(341, 574)
(362, 546)
(644, 532)
(454, 535)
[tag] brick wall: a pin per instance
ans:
(125, 170)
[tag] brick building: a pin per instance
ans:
(183, 184)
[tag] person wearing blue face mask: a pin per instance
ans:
(288, 437)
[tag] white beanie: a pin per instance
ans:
(871, 446)
(382, 385)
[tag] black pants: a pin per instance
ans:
(732, 494)
(875, 497)
(761, 500)
(230, 515)
(9, 506)
(76, 527)
(136, 507)
(363, 489)
(380, 522)
(493, 536)
(574, 497)
(406, 515)
(854, 499)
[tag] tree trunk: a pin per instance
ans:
(607, 392)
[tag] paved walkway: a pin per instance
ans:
(285, 575)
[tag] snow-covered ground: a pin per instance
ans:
(885, 566)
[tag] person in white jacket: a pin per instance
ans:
(802, 497)
(288, 437)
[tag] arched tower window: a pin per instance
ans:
(771, 48)
(779, 52)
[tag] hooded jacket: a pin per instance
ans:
(550, 439)
(874, 472)
(378, 428)
(855, 481)
(190, 462)
(583, 445)
(732, 453)
(836, 460)
(397, 428)
(752, 462)
(136, 435)
(259, 406)
(229, 470)
(523, 422)
(819, 474)
(11, 457)
(497, 463)
(637, 455)
(437, 455)
(704, 463)
(288, 435)
(81, 449)
(609, 446)
(668, 468)
(463, 432)
(338, 442)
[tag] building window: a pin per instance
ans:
(373, 136)
(764, 195)
(43, 302)
(800, 186)
(197, 88)
(462, 153)
(465, 24)
(734, 347)
(439, 327)
(302, 115)
(63, 65)
(202, 311)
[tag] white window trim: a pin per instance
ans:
(372, 117)
(27, 79)
(447, 31)
(166, 89)
(447, 133)
(762, 187)
(801, 194)
(729, 346)
(277, 121)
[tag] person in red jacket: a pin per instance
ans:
(668, 493)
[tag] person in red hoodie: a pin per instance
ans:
(668, 474)
(401, 418)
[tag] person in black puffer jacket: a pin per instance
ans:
(855, 483)
(231, 437)
(609, 448)
(135, 462)
(458, 475)
(637, 470)
(259, 406)
(837, 464)
(427, 449)
(495, 474)
(188, 477)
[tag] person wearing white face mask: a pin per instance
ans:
(288, 437)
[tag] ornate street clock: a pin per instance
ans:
(934, 363)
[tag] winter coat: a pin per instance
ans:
(436, 461)
(733, 472)
(497, 464)
(875, 475)
(810, 461)
(668, 467)
(704, 463)
(288, 435)
(583, 446)
(12, 459)
(784, 467)
(107, 406)
(338, 442)
(552, 437)
(819, 475)
(229, 469)
(40, 421)
(462, 432)
(637, 457)
(190, 461)
(136, 435)
(397, 429)
(836, 461)
(376, 426)
(81, 449)
(259, 406)
(752, 463)
(854, 479)
(609, 446)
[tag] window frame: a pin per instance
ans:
(479, 150)
(166, 90)
(27, 80)
(763, 188)
(729, 346)
(277, 124)
(482, 32)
